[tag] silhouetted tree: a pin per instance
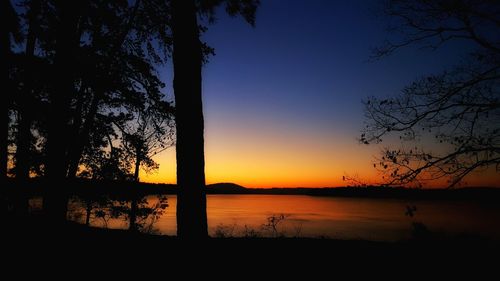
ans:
(149, 133)
(187, 59)
(83, 67)
(149, 138)
(9, 29)
(67, 40)
(24, 102)
(113, 65)
(92, 65)
(25, 99)
(458, 109)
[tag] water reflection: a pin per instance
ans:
(296, 216)
(134, 214)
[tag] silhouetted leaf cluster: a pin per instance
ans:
(113, 97)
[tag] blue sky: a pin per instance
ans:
(307, 62)
(286, 94)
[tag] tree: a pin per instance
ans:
(114, 64)
(25, 100)
(9, 30)
(23, 103)
(98, 60)
(67, 40)
(187, 61)
(80, 62)
(456, 113)
(149, 134)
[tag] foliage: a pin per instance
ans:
(114, 80)
(207, 9)
(101, 209)
(449, 123)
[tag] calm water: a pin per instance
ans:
(308, 216)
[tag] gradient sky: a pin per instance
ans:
(282, 101)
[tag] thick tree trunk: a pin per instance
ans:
(82, 136)
(9, 26)
(9, 22)
(187, 59)
(26, 99)
(25, 117)
(4, 107)
(67, 40)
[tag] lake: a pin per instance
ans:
(304, 216)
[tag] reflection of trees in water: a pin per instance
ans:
(140, 214)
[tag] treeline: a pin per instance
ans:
(82, 96)
(35, 187)
(472, 193)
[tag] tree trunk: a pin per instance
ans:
(22, 155)
(67, 40)
(9, 23)
(88, 212)
(26, 99)
(187, 59)
(82, 136)
(23, 140)
(133, 214)
(25, 117)
(133, 202)
(9, 26)
(81, 139)
(138, 157)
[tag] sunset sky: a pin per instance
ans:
(282, 101)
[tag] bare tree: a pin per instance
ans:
(449, 123)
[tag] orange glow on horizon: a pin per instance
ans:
(283, 159)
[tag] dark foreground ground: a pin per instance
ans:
(33, 241)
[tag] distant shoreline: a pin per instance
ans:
(86, 187)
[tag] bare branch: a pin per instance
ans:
(455, 115)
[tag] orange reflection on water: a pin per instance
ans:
(334, 217)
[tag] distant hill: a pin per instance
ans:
(478, 193)
(225, 187)
(86, 187)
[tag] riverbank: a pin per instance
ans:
(31, 247)
(82, 187)
(34, 232)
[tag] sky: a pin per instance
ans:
(283, 100)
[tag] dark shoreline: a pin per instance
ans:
(34, 234)
(36, 187)
(73, 239)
